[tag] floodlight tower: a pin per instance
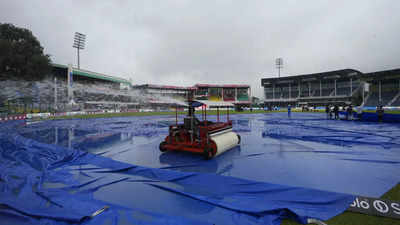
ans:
(279, 65)
(79, 44)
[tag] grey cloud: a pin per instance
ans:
(188, 42)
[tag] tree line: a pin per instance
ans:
(21, 54)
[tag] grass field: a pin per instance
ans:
(348, 218)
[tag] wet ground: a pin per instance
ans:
(360, 158)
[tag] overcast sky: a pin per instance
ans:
(188, 42)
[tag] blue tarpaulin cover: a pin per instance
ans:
(373, 117)
(61, 172)
(387, 117)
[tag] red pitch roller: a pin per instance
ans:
(202, 137)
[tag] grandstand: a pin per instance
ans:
(92, 90)
(334, 87)
(99, 90)
(238, 95)
(163, 96)
(66, 85)
(384, 88)
(68, 88)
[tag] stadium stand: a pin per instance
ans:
(91, 90)
(36, 96)
(372, 100)
(384, 88)
(239, 95)
(396, 100)
(334, 87)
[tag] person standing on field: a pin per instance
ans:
(359, 113)
(350, 112)
(327, 111)
(336, 111)
(380, 111)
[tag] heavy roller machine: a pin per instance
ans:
(202, 137)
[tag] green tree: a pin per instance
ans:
(21, 55)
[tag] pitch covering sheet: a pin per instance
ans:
(60, 172)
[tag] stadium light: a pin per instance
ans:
(279, 65)
(79, 44)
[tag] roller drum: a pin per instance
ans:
(224, 141)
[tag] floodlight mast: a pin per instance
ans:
(279, 65)
(79, 44)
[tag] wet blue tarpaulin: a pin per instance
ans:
(63, 171)
(373, 117)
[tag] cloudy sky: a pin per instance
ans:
(200, 41)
